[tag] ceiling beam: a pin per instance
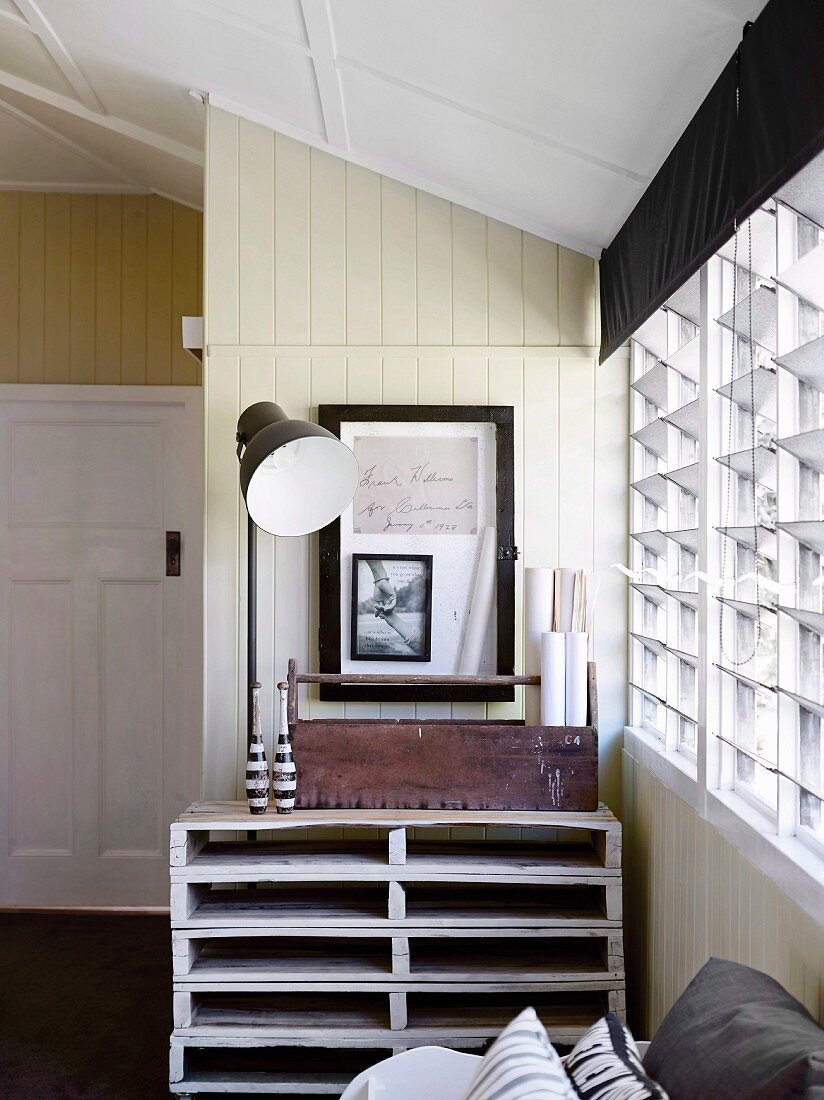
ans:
(7, 16)
(403, 174)
(108, 122)
(530, 135)
(319, 29)
(52, 42)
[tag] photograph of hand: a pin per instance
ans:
(391, 607)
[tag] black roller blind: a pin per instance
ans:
(723, 166)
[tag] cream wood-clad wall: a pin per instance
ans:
(328, 283)
(92, 288)
(690, 894)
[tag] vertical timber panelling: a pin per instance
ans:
(92, 288)
(693, 895)
(385, 294)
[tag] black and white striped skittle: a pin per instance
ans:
(257, 770)
(284, 776)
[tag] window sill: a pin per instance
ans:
(786, 860)
(790, 863)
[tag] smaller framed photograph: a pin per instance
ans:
(391, 617)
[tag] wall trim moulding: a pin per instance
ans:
(406, 351)
(76, 188)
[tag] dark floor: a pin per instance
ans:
(85, 1007)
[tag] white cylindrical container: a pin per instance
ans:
(576, 679)
(553, 678)
(539, 584)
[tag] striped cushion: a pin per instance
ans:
(521, 1065)
(605, 1065)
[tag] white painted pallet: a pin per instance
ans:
(312, 935)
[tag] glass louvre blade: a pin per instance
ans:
(686, 301)
(804, 194)
(686, 537)
(809, 533)
(806, 277)
(653, 335)
(688, 598)
(761, 392)
(762, 224)
(686, 419)
(812, 620)
(741, 462)
(652, 488)
(806, 363)
(655, 541)
(687, 360)
(807, 447)
(756, 685)
(653, 437)
(652, 644)
(745, 536)
(649, 694)
(762, 761)
(762, 301)
(653, 385)
(801, 701)
(687, 477)
(682, 655)
(744, 607)
(652, 592)
(681, 713)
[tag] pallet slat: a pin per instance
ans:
(382, 941)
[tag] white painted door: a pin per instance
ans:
(100, 651)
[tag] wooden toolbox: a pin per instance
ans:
(456, 764)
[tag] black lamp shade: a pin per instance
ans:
(296, 477)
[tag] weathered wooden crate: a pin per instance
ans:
(442, 764)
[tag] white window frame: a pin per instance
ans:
(776, 841)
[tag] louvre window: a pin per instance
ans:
(727, 515)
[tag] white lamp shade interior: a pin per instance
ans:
(302, 486)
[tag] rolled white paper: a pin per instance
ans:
(576, 679)
(539, 588)
(553, 678)
(480, 610)
(593, 583)
(564, 597)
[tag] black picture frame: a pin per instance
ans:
(424, 651)
(329, 582)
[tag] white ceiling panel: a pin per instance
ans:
(183, 44)
(279, 17)
(617, 80)
(140, 165)
(164, 106)
(23, 54)
(501, 171)
(552, 116)
(32, 156)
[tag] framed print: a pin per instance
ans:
(391, 616)
(435, 482)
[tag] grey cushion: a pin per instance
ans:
(735, 1032)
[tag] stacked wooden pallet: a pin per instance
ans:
(361, 932)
